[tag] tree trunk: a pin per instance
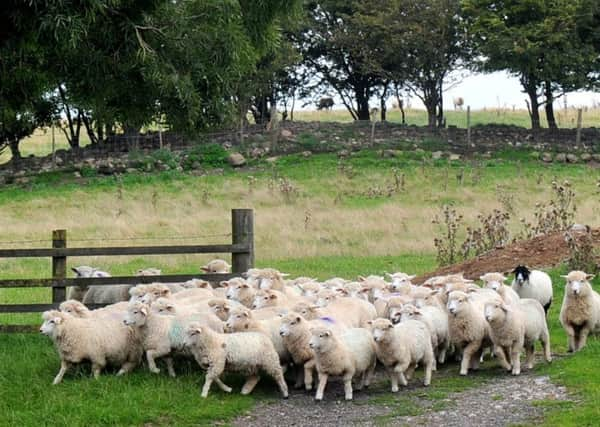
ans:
(362, 105)
(14, 150)
(431, 107)
(383, 109)
(549, 106)
(533, 106)
(441, 122)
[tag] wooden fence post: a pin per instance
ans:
(579, 120)
(59, 265)
(242, 232)
(469, 125)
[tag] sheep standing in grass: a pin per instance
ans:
(469, 331)
(514, 327)
(100, 341)
(495, 282)
(347, 355)
(401, 348)
(533, 284)
(580, 311)
(248, 353)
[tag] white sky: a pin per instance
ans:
(487, 91)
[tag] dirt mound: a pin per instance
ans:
(539, 252)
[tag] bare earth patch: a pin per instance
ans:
(496, 400)
(542, 251)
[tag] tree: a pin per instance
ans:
(538, 41)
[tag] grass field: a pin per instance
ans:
(313, 218)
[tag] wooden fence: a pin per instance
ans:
(241, 249)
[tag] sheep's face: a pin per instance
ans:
(216, 266)
(239, 291)
(493, 285)
(265, 299)
(137, 314)
(325, 297)
(578, 283)
(220, 309)
(289, 323)
(395, 314)
(238, 321)
(194, 335)
(320, 339)
(163, 306)
(83, 271)
(310, 289)
(196, 283)
(309, 312)
(50, 325)
(494, 312)
(493, 281)
(74, 308)
(380, 329)
(456, 302)
(410, 312)
(521, 275)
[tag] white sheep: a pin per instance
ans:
(514, 327)
(169, 307)
(100, 341)
(239, 290)
(216, 266)
(534, 284)
(436, 321)
(78, 292)
(295, 332)
(78, 309)
(469, 331)
(402, 348)
(495, 282)
(248, 353)
(339, 307)
(401, 282)
(242, 320)
(350, 354)
(580, 311)
(161, 335)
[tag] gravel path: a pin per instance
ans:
(499, 401)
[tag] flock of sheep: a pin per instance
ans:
(265, 323)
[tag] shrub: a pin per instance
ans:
(446, 244)
(208, 155)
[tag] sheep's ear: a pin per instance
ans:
(224, 283)
(411, 277)
(58, 320)
(370, 322)
(205, 269)
(170, 307)
(589, 276)
(246, 313)
(482, 278)
(75, 270)
(563, 276)
(165, 292)
(361, 279)
(273, 296)
(505, 308)
(343, 291)
(245, 285)
(144, 311)
(284, 274)
(327, 333)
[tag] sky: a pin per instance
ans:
(491, 90)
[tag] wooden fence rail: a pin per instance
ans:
(241, 250)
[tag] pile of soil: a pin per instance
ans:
(540, 252)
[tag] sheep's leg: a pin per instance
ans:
(96, 369)
(64, 365)
(515, 359)
(348, 386)
(250, 383)
(222, 385)
(476, 359)
(126, 368)
(468, 353)
(400, 369)
(570, 331)
(308, 373)
(370, 374)
(545, 338)
(170, 368)
(442, 354)
(583, 334)
(530, 355)
(207, 383)
(321, 387)
(151, 355)
(428, 369)
(410, 371)
(299, 377)
(276, 373)
(501, 355)
(393, 379)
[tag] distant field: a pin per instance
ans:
(40, 144)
